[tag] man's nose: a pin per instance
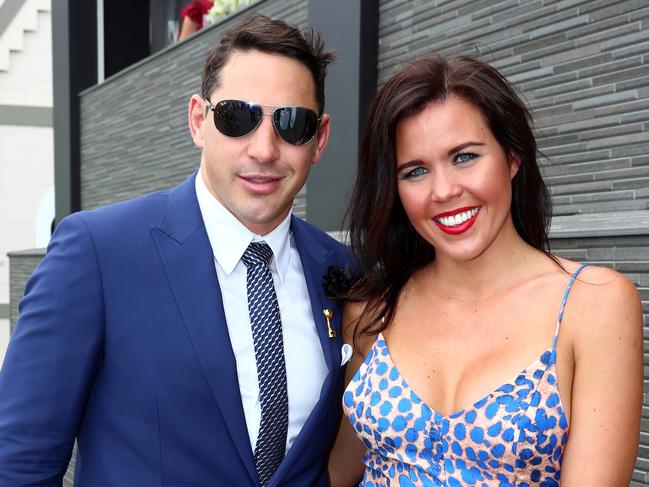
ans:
(264, 141)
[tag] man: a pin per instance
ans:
(151, 330)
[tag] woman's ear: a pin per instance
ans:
(514, 165)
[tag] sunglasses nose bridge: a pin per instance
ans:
(263, 141)
(273, 120)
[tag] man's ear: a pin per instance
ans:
(196, 116)
(322, 137)
(514, 166)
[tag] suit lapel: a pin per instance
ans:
(188, 261)
(315, 259)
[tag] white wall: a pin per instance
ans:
(26, 152)
(29, 78)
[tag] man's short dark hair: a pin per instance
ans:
(261, 33)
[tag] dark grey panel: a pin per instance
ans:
(74, 68)
(350, 28)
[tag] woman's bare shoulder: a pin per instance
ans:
(351, 316)
(603, 321)
(604, 301)
(597, 282)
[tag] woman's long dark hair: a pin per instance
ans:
(387, 248)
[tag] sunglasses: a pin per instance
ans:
(236, 118)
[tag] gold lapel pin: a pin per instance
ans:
(328, 314)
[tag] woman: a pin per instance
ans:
(191, 17)
(479, 357)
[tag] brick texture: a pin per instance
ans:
(582, 66)
(21, 266)
(134, 133)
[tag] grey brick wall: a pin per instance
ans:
(134, 133)
(21, 266)
(582, 65)
(68, 478)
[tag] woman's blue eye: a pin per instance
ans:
(464, 157)
(417, 171)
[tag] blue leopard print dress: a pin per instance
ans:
(514, 436)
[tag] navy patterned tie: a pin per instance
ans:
(269, 354)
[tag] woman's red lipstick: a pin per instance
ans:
(446, 221)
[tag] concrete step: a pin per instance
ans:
(25, 22)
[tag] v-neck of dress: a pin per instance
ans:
(534, 365)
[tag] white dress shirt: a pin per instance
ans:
(306, 368)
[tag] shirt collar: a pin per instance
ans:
(228, 251)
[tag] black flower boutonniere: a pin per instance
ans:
(336, 282)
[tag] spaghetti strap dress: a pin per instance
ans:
(514, 436)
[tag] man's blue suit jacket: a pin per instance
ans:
(122, 343)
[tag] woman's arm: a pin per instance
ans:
(345, 467)
(607, 383)
(187, 28)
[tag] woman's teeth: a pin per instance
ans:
(454, 220)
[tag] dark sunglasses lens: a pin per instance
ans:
(296, 125)
(236, 118)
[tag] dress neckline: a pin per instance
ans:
(550, 365)
(472, 405)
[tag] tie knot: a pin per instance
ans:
(257, 253)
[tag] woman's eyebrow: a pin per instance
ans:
(462, 146)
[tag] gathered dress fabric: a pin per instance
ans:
(514, 436)
(196, 10)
